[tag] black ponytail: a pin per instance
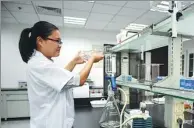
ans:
(27, 42)
(25, 45)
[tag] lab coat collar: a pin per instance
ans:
(38, 53)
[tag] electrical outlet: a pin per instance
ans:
(179, 107)
(179, 116)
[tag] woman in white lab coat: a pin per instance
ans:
(49, 86)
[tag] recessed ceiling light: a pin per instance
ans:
(74, 20)
(163, 7)
(136, 27)
(165, 3)
(91, 1)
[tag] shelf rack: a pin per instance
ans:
(173, 92)
(156, 36)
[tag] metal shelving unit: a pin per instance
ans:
(160, 35)
(156, 36)
(173, 92)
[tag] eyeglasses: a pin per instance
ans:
(58, 41)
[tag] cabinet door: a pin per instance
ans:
(17, 109)
(190, 63)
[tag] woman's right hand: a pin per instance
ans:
(97, 56)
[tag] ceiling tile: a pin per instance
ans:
(3, 7)
(108, 9)
(78, 5)
(145, 21)
(30, 18)
(56, 20)
(116, 3)
(151, 17)
(115, 26)
(131, 12)
(55, 4)
(15, 7)
(74, 13)
(155, 15)
(20, 2)
(8, 20)
(122, 19)
(100, 17)
(95, 25)
(139, 4)
(6, 14)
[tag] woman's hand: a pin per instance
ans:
(97, 56)
(78, 59)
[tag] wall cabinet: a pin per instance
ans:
(15, 104)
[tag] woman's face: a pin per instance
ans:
(52, 45)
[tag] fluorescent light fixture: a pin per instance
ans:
(165, 3)
(137, 27)
(91, 1)
(163, 7)
(74, 20)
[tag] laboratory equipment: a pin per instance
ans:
(111, 114)
(107, 50)
(138, 122)
(149, 73)
(98, 103)
(110, 64)
(87, 54)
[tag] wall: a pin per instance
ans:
(188, 45)
(13, 69)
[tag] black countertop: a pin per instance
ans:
(13, 89)
(87, 117)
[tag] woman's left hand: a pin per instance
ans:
(78, 59)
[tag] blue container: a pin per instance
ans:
(187, 84)
(129, 78)
(182, 83)
(160, 78)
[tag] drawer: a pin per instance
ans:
(17, 109)
(16, 97)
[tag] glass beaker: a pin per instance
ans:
(87, 54)
(111, 115)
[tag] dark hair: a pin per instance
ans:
(27, 42)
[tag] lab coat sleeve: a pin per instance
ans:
(56, 77)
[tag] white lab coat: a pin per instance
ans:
(50, 93)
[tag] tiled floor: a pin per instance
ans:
(82, 114)
(15, 124)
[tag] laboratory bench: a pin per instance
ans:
(15, 103)
(13, 89)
